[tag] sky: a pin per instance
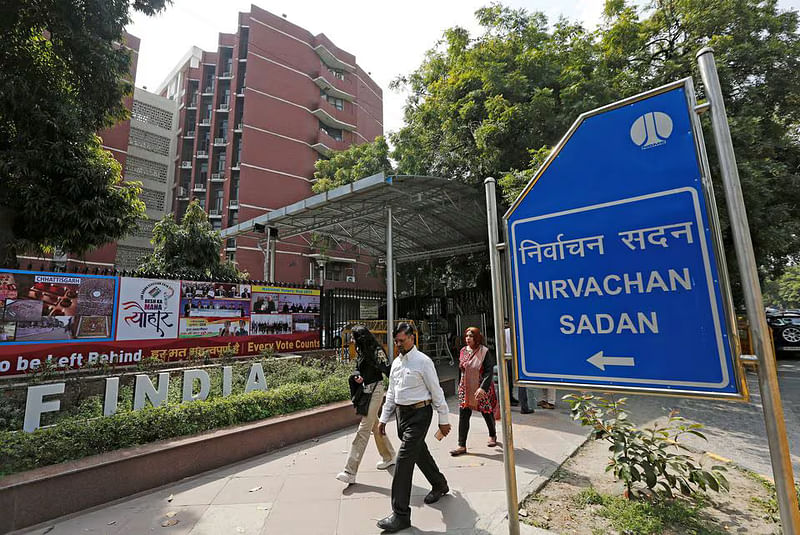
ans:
(388, 39)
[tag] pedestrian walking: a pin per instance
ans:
(371, 366)
(475, 388)
(549, 401)
(414, 392)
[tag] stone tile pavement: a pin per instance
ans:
(294, 491)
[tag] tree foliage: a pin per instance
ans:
(492, 105)
(63, 74)
(354, 163)
(189, 249)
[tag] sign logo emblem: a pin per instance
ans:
(651, 129)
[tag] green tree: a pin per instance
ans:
(63, 75)
(190, 249)
(789, 287)
(354, 163)
(491, 105)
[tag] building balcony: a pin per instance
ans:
(205, 121)
(329, 59)
(207, 91)
(189, 135)
(226, 76)
(345, 116)
(186, 164)
(202, 154)
(215, 213)
(192, 106)
(235, 167)
(199, 188)
(218, 177)
(224, 108)
(233, 204)
(326, 117)
(220, 141)
(238, 128)
(325, 144)
(342, 89)
(182, 193)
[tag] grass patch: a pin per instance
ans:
(639, 517)
(766, 507)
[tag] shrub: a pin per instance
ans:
(76, 437)
(651, 456)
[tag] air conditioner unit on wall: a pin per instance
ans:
(351, 278)
(311, 282)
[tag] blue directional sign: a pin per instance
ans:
(614, 259)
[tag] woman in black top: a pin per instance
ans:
(371, 366)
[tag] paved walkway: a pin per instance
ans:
(294, 491)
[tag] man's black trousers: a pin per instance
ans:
(412, 426)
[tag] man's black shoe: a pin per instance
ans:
(526, 411)
(394, 523)
(434, 495)
(514, 402)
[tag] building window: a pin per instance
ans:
(333, 101)
(335, 133)
(338, 271)
(336, 73)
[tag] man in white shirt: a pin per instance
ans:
(414, 392)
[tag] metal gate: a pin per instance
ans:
(341, 306)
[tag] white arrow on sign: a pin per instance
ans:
(601, 361)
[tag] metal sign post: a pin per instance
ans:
(767, 373)
(503, 381)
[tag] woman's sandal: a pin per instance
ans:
(458, 451)
(492, 442)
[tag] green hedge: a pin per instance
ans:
(77, 438)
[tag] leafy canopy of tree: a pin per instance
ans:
(354, 163)
(785, 291)
(494, 104)
(63, 75)
(189, 249)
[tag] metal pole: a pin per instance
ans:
(389, 286)
(273, 246)
(265, 245)
(500, 350)
(767, 371)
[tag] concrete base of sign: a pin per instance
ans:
(77, 485)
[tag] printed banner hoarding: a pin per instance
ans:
(55, 308)
(148, 309)
(73, 321)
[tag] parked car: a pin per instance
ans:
(785, 332)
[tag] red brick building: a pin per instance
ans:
(254, 117)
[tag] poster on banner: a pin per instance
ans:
(281, 310)
(148, 309)
(54, 308)
(214, 309)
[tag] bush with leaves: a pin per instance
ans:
(653, 457)
(78, 437)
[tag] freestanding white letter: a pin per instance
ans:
(227, 380)
(112, 394)
(145, 390)
(189, 377)
(256, 379)
(35, 404)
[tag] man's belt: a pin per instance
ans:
(417, 405)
